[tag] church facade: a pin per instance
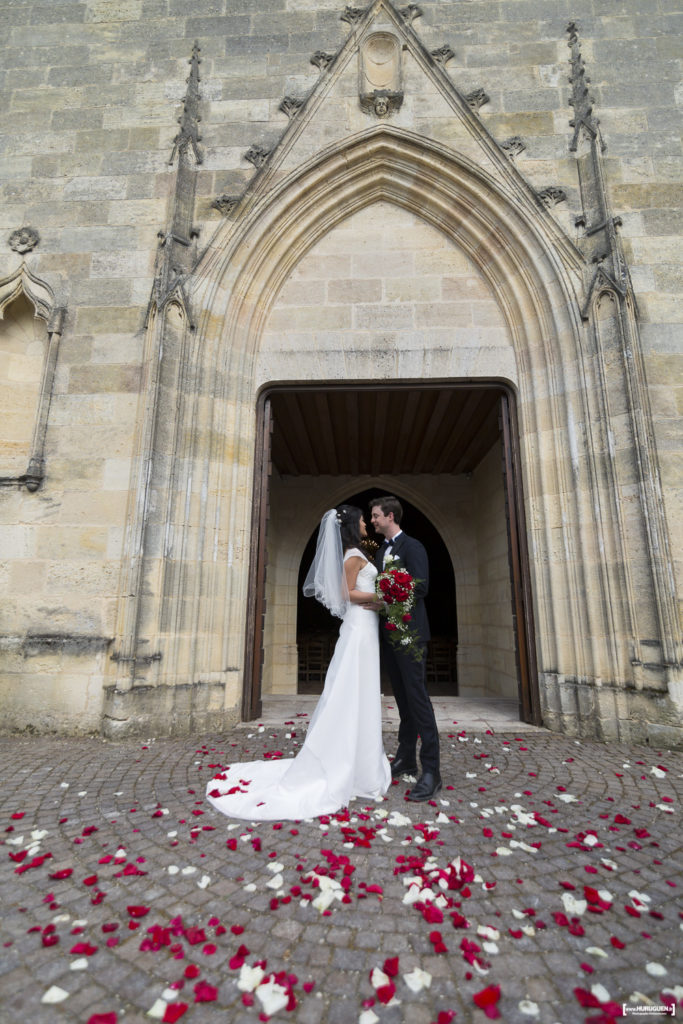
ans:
(261, 259)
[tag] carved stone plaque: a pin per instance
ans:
(380, 74)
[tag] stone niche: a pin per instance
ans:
(381, 91)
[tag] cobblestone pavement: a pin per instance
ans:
(126, 897)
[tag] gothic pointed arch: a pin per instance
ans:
(26, 440)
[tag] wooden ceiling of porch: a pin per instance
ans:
(383, 430)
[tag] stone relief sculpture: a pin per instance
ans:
(380, 74)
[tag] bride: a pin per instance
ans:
(342, 756)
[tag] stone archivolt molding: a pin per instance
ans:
(510, 245)
(41, 296)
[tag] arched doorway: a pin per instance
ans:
(470, 513)
(316, 631)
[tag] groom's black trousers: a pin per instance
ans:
(407, 678)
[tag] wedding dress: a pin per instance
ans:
(342, 756)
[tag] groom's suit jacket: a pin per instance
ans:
(411, 556)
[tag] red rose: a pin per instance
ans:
(406, 618)
(391, 626)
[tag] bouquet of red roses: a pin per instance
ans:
(396, 589)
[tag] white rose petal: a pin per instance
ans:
(529, 1008)
(491, 948)
(250, 978)
(173, 869)
(273, 997)
(158, 1010)
(275, 868)
(503, 851)
(567, 798)
(590, 839)
(169, 994)
(378, 979)
(368, 1017)
(665, 807)
(639, 897)
(204, 881)
(572, 905)
(55, 994)
(487, 932)
(275, 882)
(189, 870)
(38, 834)
(596, 951)
(600, 992)
(528, 929)
(418, 979)
(657, 772)
(250, 887)
(656, 970)
(79, 965)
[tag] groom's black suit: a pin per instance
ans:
(407, 676)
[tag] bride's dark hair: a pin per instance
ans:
(349, 517)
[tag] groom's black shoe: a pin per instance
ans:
(426, 788)
(403, 766)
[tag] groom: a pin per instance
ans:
(407, 676)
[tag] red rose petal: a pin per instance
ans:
(487, 1001)
(174, 1012)
(83, 949)
(205, 993)
(390, 966)
(103, 1018)
(138, 911)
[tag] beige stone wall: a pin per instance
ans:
(494, 608)
(90, 96)
(385, 295)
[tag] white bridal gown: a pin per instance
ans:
(342, 756)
